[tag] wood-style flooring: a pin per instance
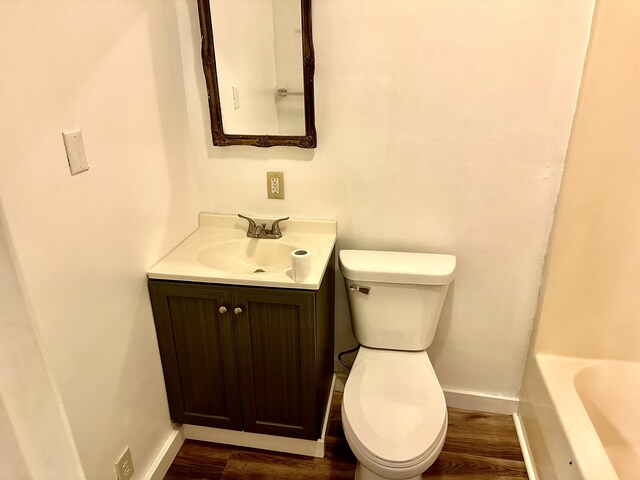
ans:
(479, 446)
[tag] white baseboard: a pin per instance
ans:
(311, 448)
(166, 455)
(481, 402)
(524, 446)
(315, 448)
(341, 380)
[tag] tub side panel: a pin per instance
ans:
(550, 450)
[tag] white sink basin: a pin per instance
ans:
(220, 252)
(249, 255)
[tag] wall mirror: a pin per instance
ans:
(258, 64)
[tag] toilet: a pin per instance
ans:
(393, 409)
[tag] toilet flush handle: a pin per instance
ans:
(359, 288)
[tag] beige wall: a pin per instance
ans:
(442, 127)
(591, 301)
(82, 244)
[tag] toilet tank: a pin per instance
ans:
(395, 298)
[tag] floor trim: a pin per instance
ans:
(341, 380)
(524, 446)
(163, 460)
(311, 448)
(481, 402)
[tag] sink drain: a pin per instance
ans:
(258, 270)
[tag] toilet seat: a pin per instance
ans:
(394, 410)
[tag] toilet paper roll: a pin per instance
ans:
(300, 264)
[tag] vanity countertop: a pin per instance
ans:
(220, 252)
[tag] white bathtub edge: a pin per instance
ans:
(524, 446)
(558, 373)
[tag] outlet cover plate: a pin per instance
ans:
(275, 185)
(124, 465)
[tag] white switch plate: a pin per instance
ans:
(75, 151)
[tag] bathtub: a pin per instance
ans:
(581, 418)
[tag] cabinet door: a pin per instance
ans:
(198, 355)
(276, 361)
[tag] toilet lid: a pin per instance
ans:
(395, 407)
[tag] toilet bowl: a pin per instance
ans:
(394, 414)
(393, 409)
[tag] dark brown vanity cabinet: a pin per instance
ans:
(246, 358)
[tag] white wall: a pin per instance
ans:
(287, 30)
(591, 307)
(35, 440)
(13, 462)
(83, 243)
(235, 58)
(442, 127)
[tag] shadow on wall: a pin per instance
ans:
(12, 461)
(344, 339)
(28, 400)
(444, 325)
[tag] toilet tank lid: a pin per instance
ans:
(397, 267)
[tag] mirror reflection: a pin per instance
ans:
(259, 63)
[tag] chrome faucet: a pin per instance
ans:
(261, 231)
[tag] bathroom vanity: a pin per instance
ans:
(243, 346)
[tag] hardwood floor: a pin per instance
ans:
(479, 446)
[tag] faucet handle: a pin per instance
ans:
(275, 226)
(251, 229)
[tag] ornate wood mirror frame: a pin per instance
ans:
(220, 138)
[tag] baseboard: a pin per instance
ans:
(311, 448)
(341, 380)
(464, 400)
(524, 446)
(481, 402)
(165, 456)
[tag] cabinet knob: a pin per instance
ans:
(237, 311)
(223, 309)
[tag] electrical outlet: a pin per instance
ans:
(124, 465)
(275, 185)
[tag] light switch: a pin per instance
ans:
(75, 151)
